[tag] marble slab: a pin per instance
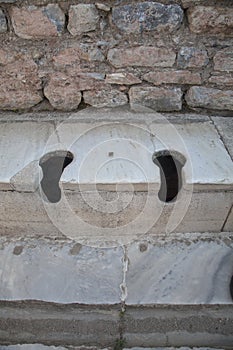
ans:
(192, 271)
(58, 271)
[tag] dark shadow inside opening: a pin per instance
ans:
(52, 165)
(170, 174)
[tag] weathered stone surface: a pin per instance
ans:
(122, 78)
(105, 97)
(223, 60)
(82, 18)
(211, 20)
(192, 57)
(68, 325)
(228, 227)
(179, 275)
(145, 56)
(210, 98)
(188, 3)
(3, 23)
(110, 154)
(173, 77)
(155, 99)
(60, 272)
(38, 22)
(225, 128)
(165, 326)
(31, 347)
(62, 92)
(147, 16)
(63, 89)
(102, 7)
(20, 84)
(221, 79)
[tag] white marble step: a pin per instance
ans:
(179, 269)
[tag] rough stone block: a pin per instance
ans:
(155, 99)
(173, 77)
(122, 79)
(105, 97)
(83, 18)
(64, 89)
(179, 271)
(144, 56)
(211, 20)
(38, 22)
(147, 16)
(223, 60)
(20, 83)
(62, 92)
(3, 22)
(210, 98)
(60, 272)
(192, 57)
(222, 79)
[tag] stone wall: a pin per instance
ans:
(172, 55)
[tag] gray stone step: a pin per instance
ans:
(108, 326)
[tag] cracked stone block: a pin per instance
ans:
(185, 271)
(38, 22)
(83, 18)
(147, 16)
(64, 272)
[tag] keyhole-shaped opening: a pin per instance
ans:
(52, 165)
(170, 164)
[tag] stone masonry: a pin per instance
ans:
(63, 56)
